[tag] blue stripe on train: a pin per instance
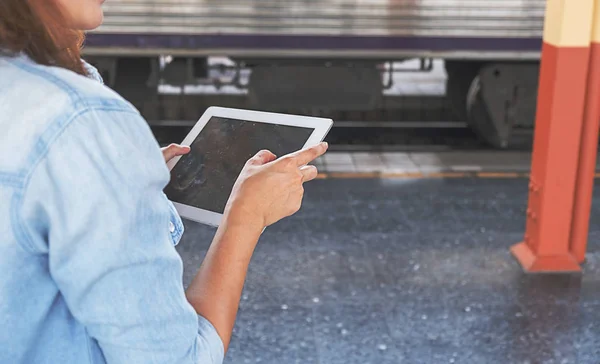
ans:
(313, 42)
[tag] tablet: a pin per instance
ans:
(221, 143)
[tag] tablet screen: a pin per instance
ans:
(205, 176)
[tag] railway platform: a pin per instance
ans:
(408, 270)
(422, 164)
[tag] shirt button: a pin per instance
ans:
(171, 227)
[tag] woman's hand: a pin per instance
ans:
(266, 191)
(174, 150)
(270, 189)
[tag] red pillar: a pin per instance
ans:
(555, 170)
(588, 149)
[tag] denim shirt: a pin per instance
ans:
(88, 268)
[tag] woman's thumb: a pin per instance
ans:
(174, 150)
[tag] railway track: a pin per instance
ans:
(371, 136)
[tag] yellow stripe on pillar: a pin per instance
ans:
(568, 23)
(596, 23)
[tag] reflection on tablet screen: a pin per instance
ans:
(205, 177)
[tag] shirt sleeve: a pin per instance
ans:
(96, 199)
(175, 225)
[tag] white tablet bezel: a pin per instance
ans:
(321, 127)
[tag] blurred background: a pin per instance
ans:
(391, 73)
(400, 253)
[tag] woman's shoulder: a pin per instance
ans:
(38, 102)
(54, 83)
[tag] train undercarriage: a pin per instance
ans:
(494, 98)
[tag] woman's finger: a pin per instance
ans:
(305, 156)
(174, 150)
(309, 173)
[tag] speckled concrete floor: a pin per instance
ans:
(408, 271)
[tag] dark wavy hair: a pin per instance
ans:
(37, 28)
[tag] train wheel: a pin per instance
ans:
(502, 98)
(479, 118)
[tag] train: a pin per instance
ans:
(328, 54)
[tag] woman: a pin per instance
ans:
(88, 272)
